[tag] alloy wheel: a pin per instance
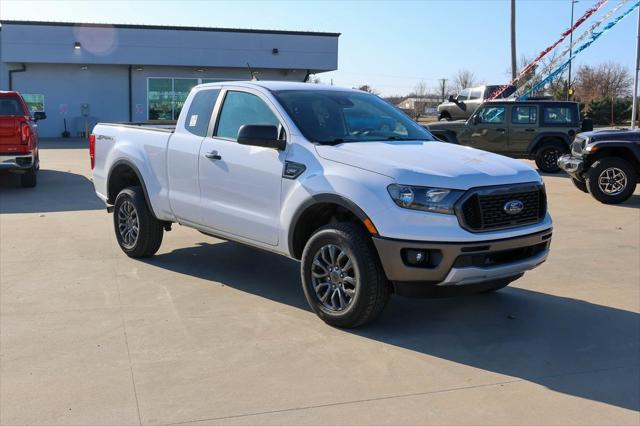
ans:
(128, 224)
(334, 278)
(550, 158)
(612, 181)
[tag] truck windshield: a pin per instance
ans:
(332, 117)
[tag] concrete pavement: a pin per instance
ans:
(211, 332)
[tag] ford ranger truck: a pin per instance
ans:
(292, 168)
(19, 138)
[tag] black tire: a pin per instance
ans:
(150, 230)
(547, 156)
(30, 178)
(444, 117)
(599, 168)
(372, 289)
(580, 184)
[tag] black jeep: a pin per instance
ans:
(605, 163)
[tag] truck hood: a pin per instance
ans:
(429, 163)
(447, 125)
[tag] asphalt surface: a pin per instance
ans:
(211, 332)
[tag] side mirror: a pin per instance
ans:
(39, 115)
(587, 125)
(263, 135)
(452, 99)
(476, 119)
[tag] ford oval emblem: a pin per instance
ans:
(513, 207)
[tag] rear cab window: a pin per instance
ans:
(240, 108)
(10, 106)
(200, 110)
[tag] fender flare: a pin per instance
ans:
(533, 145)
(320, 199)
(124, 162)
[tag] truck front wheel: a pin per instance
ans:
(342, 278)
(138, 232)
(611, 180)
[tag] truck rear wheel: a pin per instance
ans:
(342, 278)
(30, 178)
(138, 232)
(611, 180)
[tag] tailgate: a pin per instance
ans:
(10, 130)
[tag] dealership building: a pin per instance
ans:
(85, 73)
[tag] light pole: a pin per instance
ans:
(514, 68)
(634, 109)
(573, 2)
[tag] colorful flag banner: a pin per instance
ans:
(537, 59)
(583, 36)
(562, 67)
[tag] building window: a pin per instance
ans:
(160, 95)
(166, 96)
(34, 102)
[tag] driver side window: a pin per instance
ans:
(242, 108)
(492, 115)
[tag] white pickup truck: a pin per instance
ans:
(339, 179)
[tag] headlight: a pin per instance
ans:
(436, 200)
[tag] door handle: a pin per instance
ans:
(529, 130)
(213, 155)
(500, 130)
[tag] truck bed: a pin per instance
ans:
(164, 126)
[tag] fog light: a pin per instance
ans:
(417, 257)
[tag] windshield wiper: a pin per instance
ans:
(395, 138)
(336, 141)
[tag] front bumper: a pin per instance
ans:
(574, 166)
(460, 264)
(16, 161)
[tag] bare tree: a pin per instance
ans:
(607, 80)
(420, 90)
(464, 79)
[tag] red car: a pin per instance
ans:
(19, 138)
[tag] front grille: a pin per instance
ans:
(484, 209)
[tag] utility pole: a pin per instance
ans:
(443, 81)
(634, 109)
(514, 70)
(573, 2)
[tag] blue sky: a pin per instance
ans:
(390, 45)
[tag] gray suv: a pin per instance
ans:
(462, 106)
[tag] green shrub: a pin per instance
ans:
(599, 110)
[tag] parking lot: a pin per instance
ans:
(211, 332)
